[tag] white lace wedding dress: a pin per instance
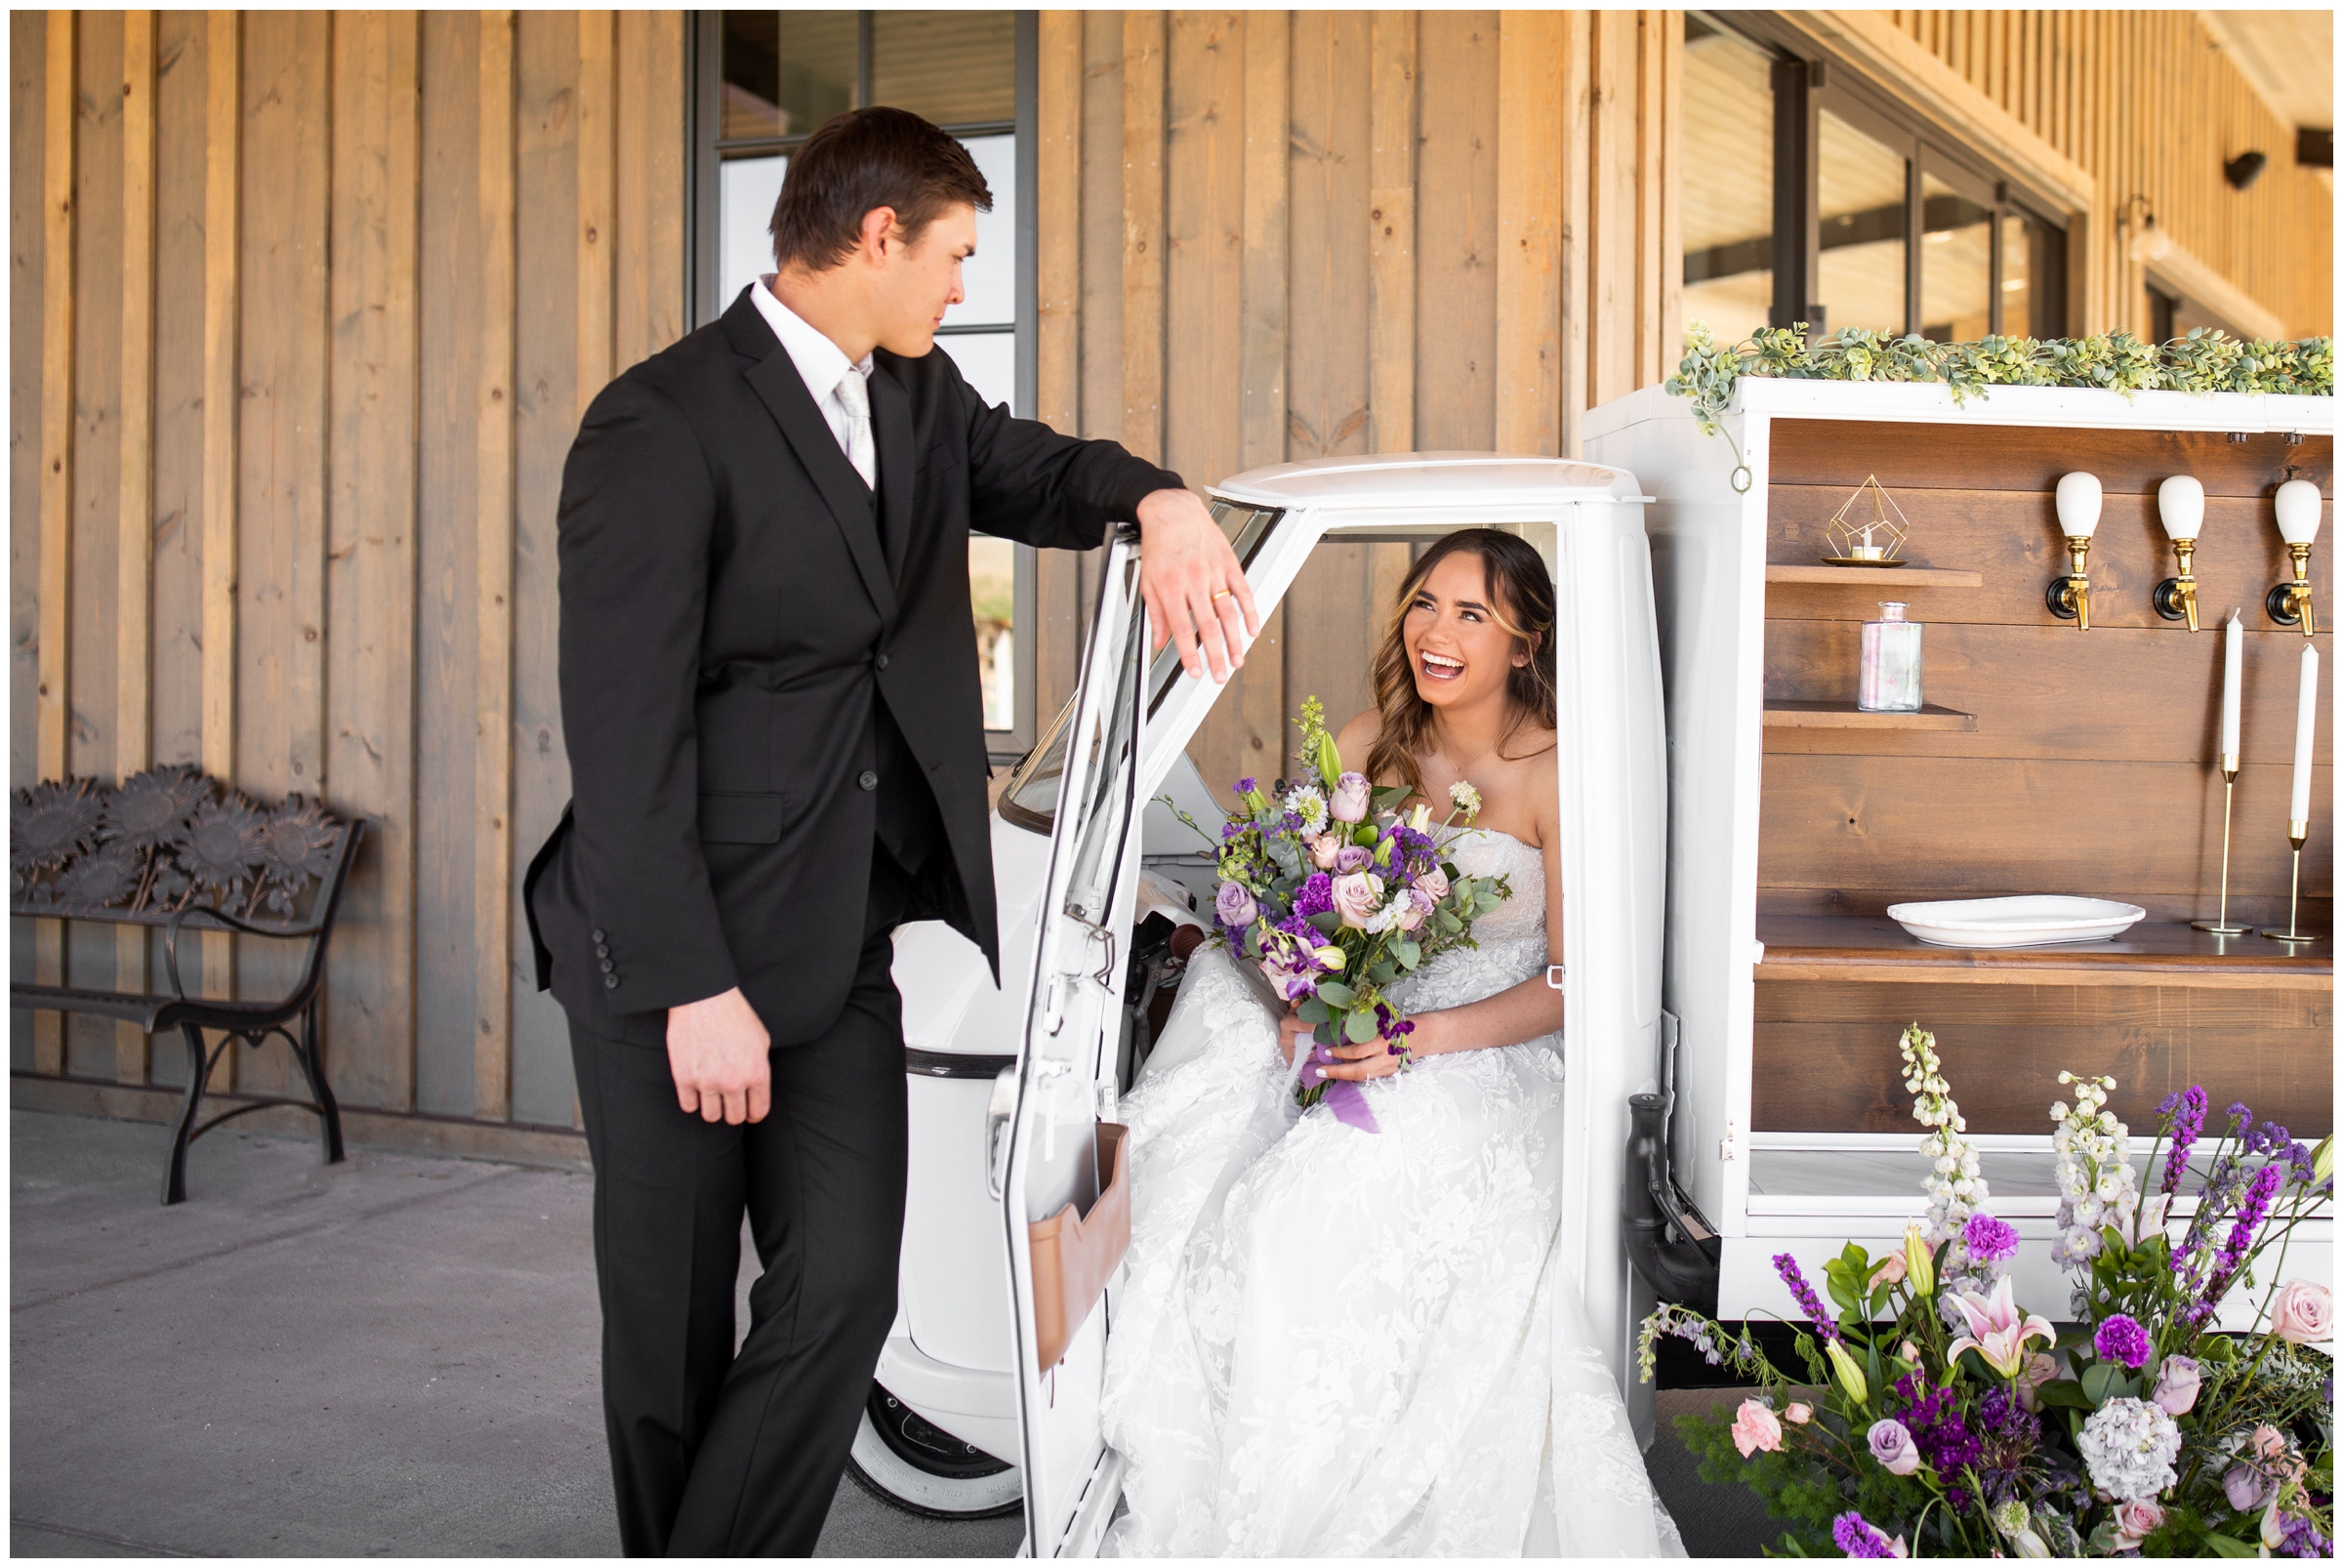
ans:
(1339, 1344)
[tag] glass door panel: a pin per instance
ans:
(1861, 197)
(1728, 181)
(1957, 264)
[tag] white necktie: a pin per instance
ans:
(861, 451)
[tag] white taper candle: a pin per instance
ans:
(2306, 727)
(2233, 686)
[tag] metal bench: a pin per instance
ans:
(172, 848)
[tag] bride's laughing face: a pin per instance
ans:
(1460, 654)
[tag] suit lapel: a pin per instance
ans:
(776, 379)
(891, 428)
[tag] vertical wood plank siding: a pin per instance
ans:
(304, 307)
(2150, 105)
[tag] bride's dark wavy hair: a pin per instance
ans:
(1521, 597)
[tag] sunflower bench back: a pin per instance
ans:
(168, 839)
(172, 848)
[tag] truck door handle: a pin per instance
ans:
(998, 1115)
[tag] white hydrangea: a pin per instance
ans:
(2128, 1445)
(2096, 1183)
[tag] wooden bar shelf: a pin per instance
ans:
(1873, 947)
(1790, 714)
(1877, 577)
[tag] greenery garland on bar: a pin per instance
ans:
(2206, 361)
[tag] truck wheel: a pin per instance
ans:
(910, 1463)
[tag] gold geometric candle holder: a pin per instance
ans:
(1868, 530)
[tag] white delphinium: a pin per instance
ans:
(2128, 1446)
(1955, 1190)
(2096, 1183)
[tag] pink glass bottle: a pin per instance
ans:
(1890, 682)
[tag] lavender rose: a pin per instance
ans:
(1235, 906)
(1414, 904)
(1350, 857)
(1892, 1446)
(1350, 797)
(2176, 1383)
(1357, 897)
(2244, 1486)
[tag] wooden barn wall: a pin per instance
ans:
(1272, 235)
(304, 307)
(2150, 105)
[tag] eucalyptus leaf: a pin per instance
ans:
(1360, 1027)
(1313, 1010)
(2099, 1381)
(1334, 994)
(1327, 922)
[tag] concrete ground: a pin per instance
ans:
(395, 1356)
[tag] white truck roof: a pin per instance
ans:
(1428, 480)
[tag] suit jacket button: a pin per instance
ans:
(611, 981)
(602, 950)
(608, 967)
(881, 661)
(597, 933)
(869, 779)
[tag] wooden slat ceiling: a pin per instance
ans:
(2288, 55)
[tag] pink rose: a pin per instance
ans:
(2303, 1313)
(2040, 1367)
(2269, 1442)
(1357, 897)
(1889, 1272)
(1348, 802)
(1415, 904)
(2136, 1521)
(2176, 1386)
(1434, 883)
(1323, 849)
(1798, 1415)
(1756, 1427)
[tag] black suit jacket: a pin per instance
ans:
(730, 615)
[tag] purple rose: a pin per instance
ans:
(1357, 897)
(1235, 906)
(1892, 1446)
(2176, 1386)
(2244, 1486)
(1990, 1240)
(1417, 905)
(2121, 1340)
(1350, 857)
(1348, 802)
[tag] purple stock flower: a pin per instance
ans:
(2303, 1539)
(1943, 1437)
(1989, 1240)
(1824, 1324)
(1245, 786)
(2269, 1137)
(2240, 1117)
(2252, 1210)
(2121, 1340)
(2191, 1106)
(1857, 1537)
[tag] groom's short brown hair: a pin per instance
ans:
(866, 158)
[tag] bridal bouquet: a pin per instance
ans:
(1952, 1420)
(1337, 896)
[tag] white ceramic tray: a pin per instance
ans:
(2037, 920)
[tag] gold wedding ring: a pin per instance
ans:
(1223, 594)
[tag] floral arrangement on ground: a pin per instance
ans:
(2206, 361)
(1938, 1417)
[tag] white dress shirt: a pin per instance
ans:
(823, 366)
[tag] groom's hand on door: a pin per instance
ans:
(718, 1048)
(1194, 587)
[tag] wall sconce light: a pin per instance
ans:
(2146, 242)
(2298, 510)
(2245, 168)
(2180, 502)
(2069, 597)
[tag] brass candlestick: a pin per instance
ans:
(2228, 797)
(2293, 934)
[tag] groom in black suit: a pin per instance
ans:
(769, 691)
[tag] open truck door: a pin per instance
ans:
(1056, 1154)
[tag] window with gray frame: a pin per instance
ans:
(763, 82)
(1810, 195)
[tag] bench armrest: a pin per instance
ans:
(179, 917)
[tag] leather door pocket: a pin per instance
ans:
(742, 818)
(1074, 1255)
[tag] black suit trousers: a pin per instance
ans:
(717, 1453)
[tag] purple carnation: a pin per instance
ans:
(1315, 896)
(1857, 1537)
(2191, 1106)
(1824, 1324)
(1989, 1240)
(2121, 1339)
